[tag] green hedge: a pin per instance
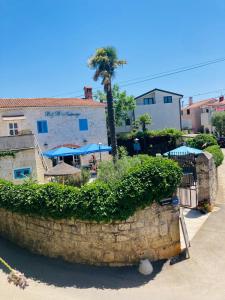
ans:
(216, 153)
(169, 132)
(201, 141)
(154, 179)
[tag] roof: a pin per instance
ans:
(217, 103)
(62, 169)
(159, 91)
(17, 142)
(200, 103)
(47, 102)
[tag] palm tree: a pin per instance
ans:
(105, 61)
(143, 121)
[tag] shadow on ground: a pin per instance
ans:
(193, 214)
(63, 274)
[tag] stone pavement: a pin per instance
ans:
(200, 277)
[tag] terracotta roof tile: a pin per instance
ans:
(47, 102)
(201, 103)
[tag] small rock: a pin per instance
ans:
(145, 267)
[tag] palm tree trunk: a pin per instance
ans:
(111, 122)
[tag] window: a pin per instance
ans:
(22, 173)
(188, 111)
(83, 124)
(13, 128)
(127, 122)
(42, 126)
(207, 110)
(168, 99)
(148, 101)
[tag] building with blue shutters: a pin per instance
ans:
(55, 121)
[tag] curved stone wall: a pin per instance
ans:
(151, 233)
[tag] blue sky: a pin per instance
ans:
(45, 44)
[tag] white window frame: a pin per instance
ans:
(14, 130)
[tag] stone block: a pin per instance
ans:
(125, 226)
(57, 226)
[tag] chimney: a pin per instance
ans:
(221, 98)
(190, 100)
(88, 92)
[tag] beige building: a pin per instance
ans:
(163, 106)
(207, 112)
(24, 159)
(191, 114)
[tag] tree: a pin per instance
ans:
(105, 61)
(218, 121)
(122, 103)
(142, 121)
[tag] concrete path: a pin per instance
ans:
(200, 277)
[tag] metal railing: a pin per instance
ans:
(40, 153)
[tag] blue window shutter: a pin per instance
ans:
(39, 127)
(83, 124)
(42, 126)
(45, 127)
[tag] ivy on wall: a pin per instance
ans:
(7, 153)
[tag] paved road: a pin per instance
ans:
(201, 277)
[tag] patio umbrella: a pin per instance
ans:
(183, 150)
(92, 148)
(62, 169)
(62, 151)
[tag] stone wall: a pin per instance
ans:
(206, 178)
(151, 233)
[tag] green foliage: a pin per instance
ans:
(216, 153)
(142, 122)
(151, 181)
(122, 151)
(122, 103)
(170, 132)
(7, 153)
(148, 180)
(218, 121)
(74, 180)
(110, 172)
(201, 141)
(105, 61)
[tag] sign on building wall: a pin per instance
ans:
(58, 113)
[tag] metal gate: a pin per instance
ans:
(187, 191)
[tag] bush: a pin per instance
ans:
(151, 179)
(201, 141)
(154, 180)
(216, 153)
(122, 151)
(109, 172)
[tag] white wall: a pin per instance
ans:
(164, 115)
(61, 129)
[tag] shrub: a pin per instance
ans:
(216, 153)
(154, 180)
(151, 179)
(109, 172)
(122, 151)
(201, 141)
(74, 180)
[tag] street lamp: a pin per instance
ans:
(99, 145)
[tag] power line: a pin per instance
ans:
(159, 75)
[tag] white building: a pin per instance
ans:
(53, 122)
(164, 108)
